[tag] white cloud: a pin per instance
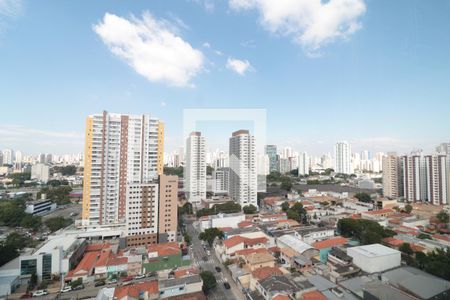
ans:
(218, 52)
(151, 47)
(206, 45)
(310, 23)
(163, 103)
(11, 8)
(238, 66)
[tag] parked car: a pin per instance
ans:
(26, 296)
(152, 274)
(99, 283)
(39, 293)
(129, 278)
(218, 269)
(66, 289)
(78, 287)
(141, 276)
(111, 281)
(226, 285)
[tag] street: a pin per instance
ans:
(219, 292)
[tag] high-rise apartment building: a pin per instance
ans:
(392, 181)
(221, 180)
(342, 158)
(40, 172)
(303, 164)
(168, 208)
(120, 150)
(413, 173)
(8, 156)
(243, 176)
(436, 178)
(271, 152)
(195, 170)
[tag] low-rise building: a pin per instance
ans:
(221, 220)
(40, 207)
(375, 257)
(180, 286)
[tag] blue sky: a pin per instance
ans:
(375, 73)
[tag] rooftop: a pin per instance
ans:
(265, 272)
(373, 250)
(333, 242)
(295, 243)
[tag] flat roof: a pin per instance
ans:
(373, 250)
(60, 241)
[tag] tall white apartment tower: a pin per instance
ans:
(436, 172)
(195, 171)
(303, 164)
(120, 150)
(342, 158)
(413, 173)
(243, 176)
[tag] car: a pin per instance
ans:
(141, 276)
(26, 296)
(111, 281)
(226, 285)
(152, 274)
(66, 289)
(39, 293)
(78, 287)
(128, 278)
(218, 269)
(99, 283)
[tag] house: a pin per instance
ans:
(144, 290)
(235, 243)
(165, 256)
(221, 220)
(313, 234)
(258, 260)
(325, 246)
(84, 269)
(180, 286)
(375, 257)
(295, 243)
(262, 273)
(282, 284)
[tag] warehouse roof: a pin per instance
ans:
(373, 250)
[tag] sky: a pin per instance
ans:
(373, 72)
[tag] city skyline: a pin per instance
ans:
(380, 70)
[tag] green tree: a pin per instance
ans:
(249, 209)
(286, 183)
(57, 223)
(408, 208)
(285, 206)
(210, 234)
(18, 241)
(32, 222)
(443, 217)
(178, 171)
(209, 170)
(406, 248)
(7, 253)
(209, 281)
(363, 197)
(187, 238)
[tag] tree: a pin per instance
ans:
(365, 231)
(423, 236)
(18, 241)
(187, 238)
(443, 217)
(209, 170)
(286, 183)
(406, 248)
(209, 281)
(178, 171)
(363, 197)
(7, 253)
(32, 222)
(58, 194)
(285, 206)
(210, 234)
(408, 208)
(57, 223)
(76, 283)
(249, 209)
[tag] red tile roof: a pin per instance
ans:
(281, 297)
(225, 229)
(380, 211)
(441, 237)
(85, 266)
(165, 249)
(136, 290)
(264, 272)
(315, 295)
(255, 241)
(336, 241)
(97, 247)
(393, 241)
(245, 224)
(116, 260)
(103, 259)
(183, 272)
(233, 241)
(249, 251)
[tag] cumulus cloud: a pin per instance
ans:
(238, 66)
(10, 8)
(153, 48)
(310, 23)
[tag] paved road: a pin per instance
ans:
(211, 262)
